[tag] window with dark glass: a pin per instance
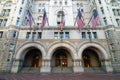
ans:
(83, 35)
(39, 35)
(67, 36)
(61, 35)
(94, 35)
(105, 20)
(89, 35)
(11, 47)
(1, 34)
(14, 34)
(56, 35)
(28, 36)
(34, 35)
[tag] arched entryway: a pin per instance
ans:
(90, 58)
(33, 58)
(61, 60)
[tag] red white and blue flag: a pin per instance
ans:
(30, 19)
(80, 20)
(62, 21)
(94, 19)
(44, 19)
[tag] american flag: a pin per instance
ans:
(44, 19)
(95, 19)
(62, 21)
(80, 20)
(30, 19)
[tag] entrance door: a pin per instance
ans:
(32, 58)
(61, 60)
(36, 61)
(90, 58)
(86, 60)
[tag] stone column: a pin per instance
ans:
(108, 66)
(16, 66)
(46, 68)
(78, 66)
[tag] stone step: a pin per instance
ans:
(94, 70)
(62, 70)
(30, 70)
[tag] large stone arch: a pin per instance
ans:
(104, 54)
(70, 48)
(24, 48)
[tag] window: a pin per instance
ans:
(5, 12)
(102, 10)
(9, 57)
(18, 22)
(20, 11)
(65, 2)
(99, 1)
(77, 4)
(55, 3)
(39, 35)
(39, 4)
(56, 35)
(14, 34)
(81, 10)
(11, 47)
(39, 10)
(94, 35)
(23, 1)
(118, 22)
(108, 34)
(38, 24)
(34, 35)
(67, 36)
(39, 18)
(105, 20)
(81, 4)
(3, 22)
(28, 36)
(1, 34)
(89, 35)
(61, 35)
(83, 35)
(59, 16)
(60, 3)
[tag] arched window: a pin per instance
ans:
(59, 18)
(39, 18)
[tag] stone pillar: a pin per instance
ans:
(108, 66)
(16, 66)
(46, 68)
(78, 66)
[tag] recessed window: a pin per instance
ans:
(83, 35)
(56, 35)
(1, 34)
(105, 20)
(89, 35)
(11, 47)
(14, 34)
(39, 35)
(34, 35)
(61, 35)
(94, 35)
(28, 36)
(65, 2)
(67, 36)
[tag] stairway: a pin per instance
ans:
(94, 70)
(30, 70)
(62, 70)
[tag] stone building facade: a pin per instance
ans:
(53, 50)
